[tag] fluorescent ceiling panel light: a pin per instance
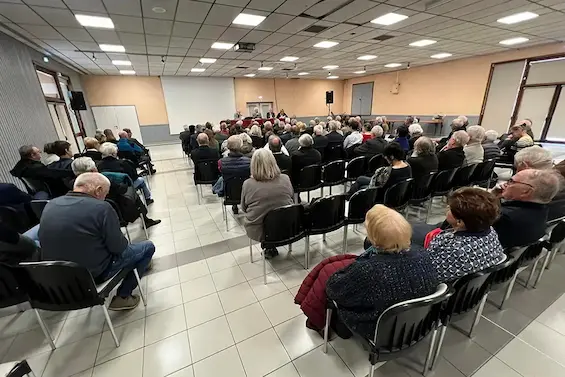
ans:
(442, 55)
(121, 62)
(265, 68)
(333, 77)
(513, 41)
(248, 19)
(393, 65)
(359, 72)
(518, 17)
(207, 60)
(303, 73)
(289, 59)
(326, 44)
(222, 45)
(127, 72)
(94, 21)
(197, 69)
(112, 48)
(367, 57)
(250, 75)
(330, 67)
(389, 19)
(423, 43)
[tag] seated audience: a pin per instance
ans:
(16, 247)
(286, 135)
(234, 165)
(474, 152)
(491, 150)
(557, 204)
(256, 136)
(197, 130)
(212, 142)
(367, 135)
(423, 160)
(92, 227)
(247, 148)
(471, 244)
(281, 114)
(134, 141)
(402, 138)
(99, 135)
(111, 163)
(355, 137)
(385, 176)
(124, 144)
(49, 155)
(219, 136)
(62, 149)
(374, 146)
(284, 162)
(292, 144)
(518, 141)
(320, 141)
(305, 156)
(204, 152)
(534, 157)
(184, 137)
(415, 131)
(266, 190)
(92, 146)
(12, 196)
(268, 130)
(458, 124)
(453, 155)
(110, 138)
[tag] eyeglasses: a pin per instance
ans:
(513, 181)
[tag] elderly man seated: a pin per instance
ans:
(284, 162)
(518, 140)
(306, 155)
(375, 145)
(92, 238)
(204, 152)
(111, 163)
(491, 150)
(453, 155)
(129, 144)
(458, 124)
(92, 149)
(292, 145)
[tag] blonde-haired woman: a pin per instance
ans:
(267, 189)
(256, 137)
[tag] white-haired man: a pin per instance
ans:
(453, 155)
(374, 146)
(256, 113)
(286, 135)
(458, 124)
(92, 238)
(320, 140)
(306, 155)
(492, 150)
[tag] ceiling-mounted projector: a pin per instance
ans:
(244, 47)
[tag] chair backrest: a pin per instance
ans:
(116, 208)
(33, 186)
(398, 195)
(232, 190)
(333, 152)
(483, 171)
(14, 219)
(557, 233)
(463, 175)
(310, 178)
(356, 168)
(59, 286)
(403, 325)
(359, 204)
(442, 181)
(11, 291)
(376, 162)
(326, 214)
(206, 172)
(129, 155)
(333, 173)
(422, 187)
(531, 253)
(37, 206)
(284, 225)
(506, 269)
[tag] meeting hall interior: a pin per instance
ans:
(282, 188)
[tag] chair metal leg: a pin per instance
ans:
(324, 237)
(144, 228)
(44, 329)
(226, 217)
(327, 329)
(532, 272)
(127, 234)
(290, 248)
(543, 266)
(429, 211)
(198, 194)
(109, 322)
(141, 293)
(508, 290)
(307, 251)
(308, 196)
(439, 344)
(430, 352)
(553, 253)
(330, 190)
(478, 315)
(345, 239)
(322, 191)
(372, 371)
(250, 250)
(264, 268)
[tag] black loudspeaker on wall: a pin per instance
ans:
(77, 101)
(329, 97)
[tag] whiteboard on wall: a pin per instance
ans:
(197, 100)
(117, 118)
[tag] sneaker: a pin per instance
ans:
(149, 201)
(235, 210)
(150, 222)
(121, 303)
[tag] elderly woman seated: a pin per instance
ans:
(471, 244)
(474, 152)
(415, 131)
(423, 160)
(388, 272)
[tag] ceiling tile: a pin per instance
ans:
(202, 43)
(42, 31)
(274, 22)
(192, 11)
(128, 24)
(139, 49)
(256, 36)
(123, 7)
(295, 7)
(185, 29)
(210, 31)
(169, 5)
(19, 13)
(177, 51)
(105, 36)
(156, 40)
(235, 34)
(237, 3)
(156, 50)
(180, 42)
(268, 5)
(57, 17)
(132, 38)
(86, 5)
(75, 34)
(154, 26)
(296, 25)
(222, 15)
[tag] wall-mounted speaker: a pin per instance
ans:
(329, 97)
(77, 101)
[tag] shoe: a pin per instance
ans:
(149, 201)
(150, 222)
(235, 210)
(121, 303)
(149, 266)
(270, 253)
(153, 171)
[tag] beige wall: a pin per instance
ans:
(302, 97)
(145, 93)
(450, 88)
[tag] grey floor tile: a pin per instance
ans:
(214, 249)
(466, 355)
(163, 263)
(509, 319)
(239, 242)
(486, 334)
(190, 256)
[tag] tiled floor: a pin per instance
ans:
(209, 314)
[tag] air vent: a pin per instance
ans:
(315, 29)
(383, 37)
(241, 67)
(287, 69)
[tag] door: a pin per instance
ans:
(117, 118)
(265, 107)
(62, 125)
(535, 105)
(362, 99)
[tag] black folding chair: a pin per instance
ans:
(482, 176)
(333, 174)
(463, 176)
(401, 327)
(398, 195)
(309, 178)
(421, 191)
(282, 226)
(507, 274)
(356, 168)
(333, 152)
(21, 369)
(441, 186)
(33, 186)
(232, 194)
(359, 204)
(205, 173)
(554, 243)
(325, 215)
(63, 286)
(37, 206)
(377, 161)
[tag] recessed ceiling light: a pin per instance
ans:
(513, 41)
(360, 72)
(112, 48)
(289, 59)
(441, 55)
(330, 67)
(326, 44)
(333, 77)
(248, 19)
(303, 73)
(158, 9)
(265, 68)
(389, 19)
(94, 21)
(46, 59)
(518, 17)
(127, 72)
(250, 75)
(222, 45)
(423, 42)
(392, 65)
(367, 57)
(121, 62)
(197, 69)
(207, 60)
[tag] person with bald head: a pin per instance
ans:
(81, 227)
(124, 145)
(275, 145)
(204, 152)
